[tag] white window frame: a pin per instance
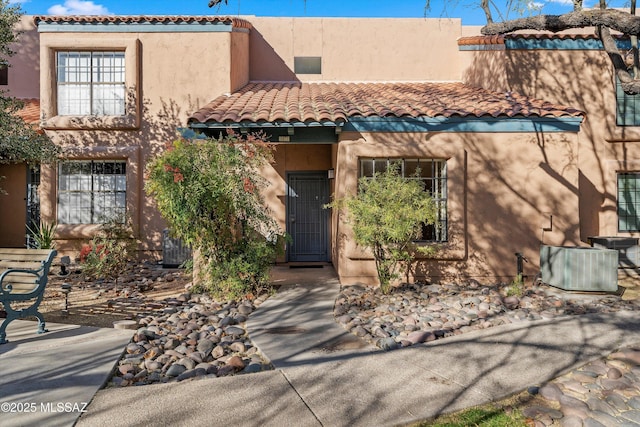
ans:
(91, 83)
(52, 120)
(92, 191)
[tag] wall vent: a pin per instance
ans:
(307, 64)
(174, 251)
(579, 268)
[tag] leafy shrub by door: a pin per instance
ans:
(210, 193)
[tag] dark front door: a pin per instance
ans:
(307, 220)
(13, 205)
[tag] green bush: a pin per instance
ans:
(43, 234)
(210, 193)
(110, 251)
(517, 287)
(386, 215)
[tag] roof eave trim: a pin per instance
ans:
(464, 124)
(423, 124)
(263, 125)
(525, 43)
(139, 27)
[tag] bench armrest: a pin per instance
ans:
(38, 282)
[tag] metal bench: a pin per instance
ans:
(23, 277)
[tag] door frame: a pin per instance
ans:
(325, 214)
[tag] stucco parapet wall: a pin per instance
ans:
(140, 24)
(540, 41)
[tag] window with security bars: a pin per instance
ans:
(629, 201)
(91, 83)
(91, 192)
(627, 107)
(433, 174)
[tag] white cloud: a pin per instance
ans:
(563, 2)
(78, 7)
(532, 5)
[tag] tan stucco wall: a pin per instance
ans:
(24, 72)
(356, 49)
(584, 80)
(239, 56)
(503, 190)
(169, 75)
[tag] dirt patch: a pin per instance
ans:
(134, 294)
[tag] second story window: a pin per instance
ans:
(90, 83)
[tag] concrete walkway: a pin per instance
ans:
(49, 379)
(325, 377)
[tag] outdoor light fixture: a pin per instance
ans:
(66, 288)
(65, 261)
(331, 173)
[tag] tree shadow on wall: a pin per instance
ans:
(158, 127)
(580, 79)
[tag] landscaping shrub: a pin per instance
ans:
(209, 190)
(109, 252)
(386, 215)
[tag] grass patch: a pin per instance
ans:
(505, 413)
(482, 416)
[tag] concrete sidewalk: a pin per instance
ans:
(49, 379)
(324, 377)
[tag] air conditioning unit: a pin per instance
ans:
(174, 251)
(627, 247)
(579, 268)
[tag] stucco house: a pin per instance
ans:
(513, 147)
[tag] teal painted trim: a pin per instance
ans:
(546, 44)
(423, 124)
(182, 27)
(477, 47)
(463, 124)
(559, 44)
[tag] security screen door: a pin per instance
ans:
(307, 220)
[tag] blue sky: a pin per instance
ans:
(465, 9)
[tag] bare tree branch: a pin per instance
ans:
(577, 5)
(629, 85)
(484, 4)
(614, 19)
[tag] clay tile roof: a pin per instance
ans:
(337, 102)
(499, 39)
(480, 40)
(30, 112)
(151, 19)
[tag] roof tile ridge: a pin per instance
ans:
(234, 21)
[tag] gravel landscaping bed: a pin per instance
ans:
(177, 335)
(191, 336)
(416, 313)
(181, 335)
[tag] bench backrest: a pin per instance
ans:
(31, 265)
